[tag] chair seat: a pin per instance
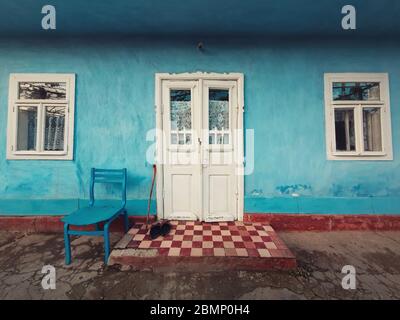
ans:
(91, 215)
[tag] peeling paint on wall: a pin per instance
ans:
(256, 193)
(295, 189)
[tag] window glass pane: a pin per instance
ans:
(42, 90)
(344, 130)
(181, 138)
(218, 117)
(226, 138)
(54, 129)
(181, 116)
(363, 91)
(27, 128)
(211, 138)
(174, 138)
(372, 129)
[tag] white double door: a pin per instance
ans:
(200, 122)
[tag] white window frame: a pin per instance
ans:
(331, 105)
(14, 102)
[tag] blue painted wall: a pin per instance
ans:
(284, 105)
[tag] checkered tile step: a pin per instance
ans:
(200, 239)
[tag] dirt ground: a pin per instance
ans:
(321, 256)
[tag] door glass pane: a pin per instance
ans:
(181, 116)
(363, 91)
(174, 138)
(344, 130)
(54, 129)
(372, 129)
(218, 116)
(27, 128)
(42, 90)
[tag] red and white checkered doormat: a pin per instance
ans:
(198, 239)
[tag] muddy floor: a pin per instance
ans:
(321, 256)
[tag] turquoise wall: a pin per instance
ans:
(284, 105)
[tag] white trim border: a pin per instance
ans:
(159, 78)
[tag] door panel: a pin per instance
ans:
(199, 121)
(181, 190)
(181, 170)
(219, 178)
(219, 185)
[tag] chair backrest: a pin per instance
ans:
(108, 176)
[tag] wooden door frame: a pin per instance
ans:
(197, 76)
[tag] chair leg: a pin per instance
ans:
(106, 242)
(126, 221)
(67, 244)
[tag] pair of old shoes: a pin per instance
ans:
(160, 229)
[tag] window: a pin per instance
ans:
(218, 116)
(357, 114)
(181, 116)
(41, 116)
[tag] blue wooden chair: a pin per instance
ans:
(96, 214)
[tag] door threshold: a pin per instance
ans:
(220, 219)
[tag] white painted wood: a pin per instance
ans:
(240, 147)
(220, 185)
(159, 155)
(12, 125)
(184, 189)
(182, 194)
(384, 104)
